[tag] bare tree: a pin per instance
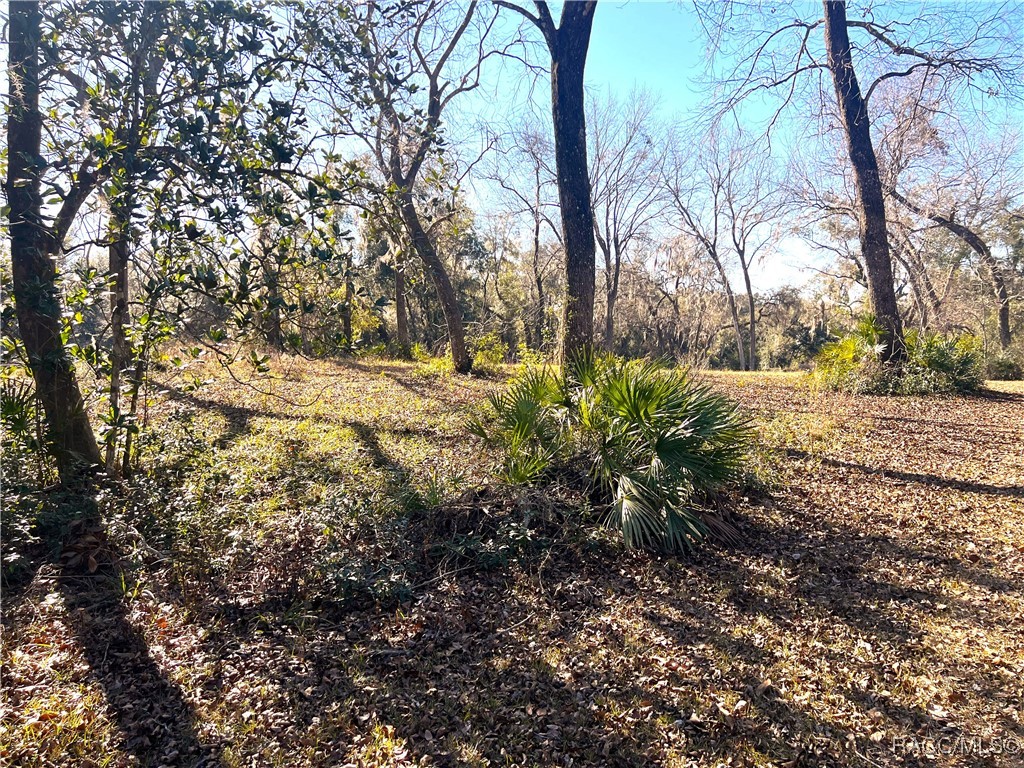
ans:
(628, 197)
(726, 199)
(568, 43)
(969, 50)
(524, 173)
(874, 239)
(939, 172)
(404, 52)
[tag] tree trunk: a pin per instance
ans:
(873, 233)
(734, 313)
(981, 248)
(538, 278)
(568, 46)
(609, 319)
(731, 301)
(275, 334)
(346, 315)
(899, 253)
(604, 245)
(120, 351)
(752, 325)
(916, 263)
(401, 309)
(34, 247)
(442, 284)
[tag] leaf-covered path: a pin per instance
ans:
(873, 614)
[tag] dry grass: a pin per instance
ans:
(873, 611)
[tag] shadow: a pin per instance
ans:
(991, 394)
(158, 725)
(238, 417)
(934, 481)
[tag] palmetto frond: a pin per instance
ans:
(653, 439)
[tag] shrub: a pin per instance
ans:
(435, 367)
(489, 353)
(1004, 367)
(420, 353)
(934, 364)
(527, 356)
(650, 443)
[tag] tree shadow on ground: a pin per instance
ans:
(935, 481)
(157, 723)
(239, 418)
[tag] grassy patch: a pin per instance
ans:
(308, 578)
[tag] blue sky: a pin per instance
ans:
(660, 47)
(655, 46)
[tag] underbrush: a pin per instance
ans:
(1005, 367)
(934, 364)
(650, 447)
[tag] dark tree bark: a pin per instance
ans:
(120, 351)
(401, 309)
(442, 284)
(568, 44)
(981, 248)
(346, 315)
(34, 248)
(870, 197)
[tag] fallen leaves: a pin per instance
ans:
(877, 595)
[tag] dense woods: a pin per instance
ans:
(360, 332)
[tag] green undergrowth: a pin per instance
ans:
(649, 444)
(934, 364)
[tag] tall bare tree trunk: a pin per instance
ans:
(401, 308)
(874, 238)
(34, 248)
(568, 46)
(612, 267)
(734, 313)
(538, 278)
(120, 352)
(920, 301)
(611, 296)
(915, 265)
(442, 284)
(752, 324)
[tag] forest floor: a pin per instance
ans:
(276, 590)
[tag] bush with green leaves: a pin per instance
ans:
(1004, 367)
(650, 443)
(489, 353)
(934, 364)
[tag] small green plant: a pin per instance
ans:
(529, 357)
(420, 353)
(934, 364)
(1004, 367)
(651, 443)
(489, 353)
(435, 367)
